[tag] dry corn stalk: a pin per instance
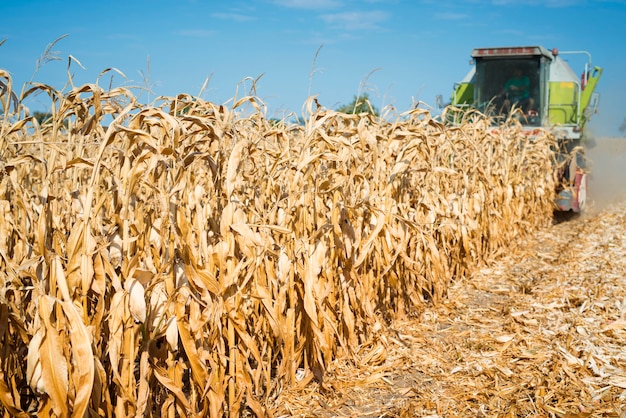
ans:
(190, 259)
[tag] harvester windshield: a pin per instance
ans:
(503, 85)
(505, 80)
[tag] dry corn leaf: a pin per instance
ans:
(171, 333)
(136, 298)
(161, 375)
(504, 338)
(6, 398)
(54, 369)
(83, 368)
(33, 361)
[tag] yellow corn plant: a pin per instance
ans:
(193, 259)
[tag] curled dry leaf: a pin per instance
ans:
(171, 333)
(115, 249)
(33, 363)
(137, 300)
(504, 338)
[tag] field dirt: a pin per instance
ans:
(539, 332)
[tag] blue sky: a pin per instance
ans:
(399, 51)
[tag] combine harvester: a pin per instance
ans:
(545, 93)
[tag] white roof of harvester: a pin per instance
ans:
(559, 68)
(515, 51)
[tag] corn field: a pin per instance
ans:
(186, 258)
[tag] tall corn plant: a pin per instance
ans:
(191, 258)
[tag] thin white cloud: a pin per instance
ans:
(236, 17)
(355, 20)
(308, 4)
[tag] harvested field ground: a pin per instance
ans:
(540, 332)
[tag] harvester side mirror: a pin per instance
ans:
(593, 102)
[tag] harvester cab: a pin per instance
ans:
(540, 89)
